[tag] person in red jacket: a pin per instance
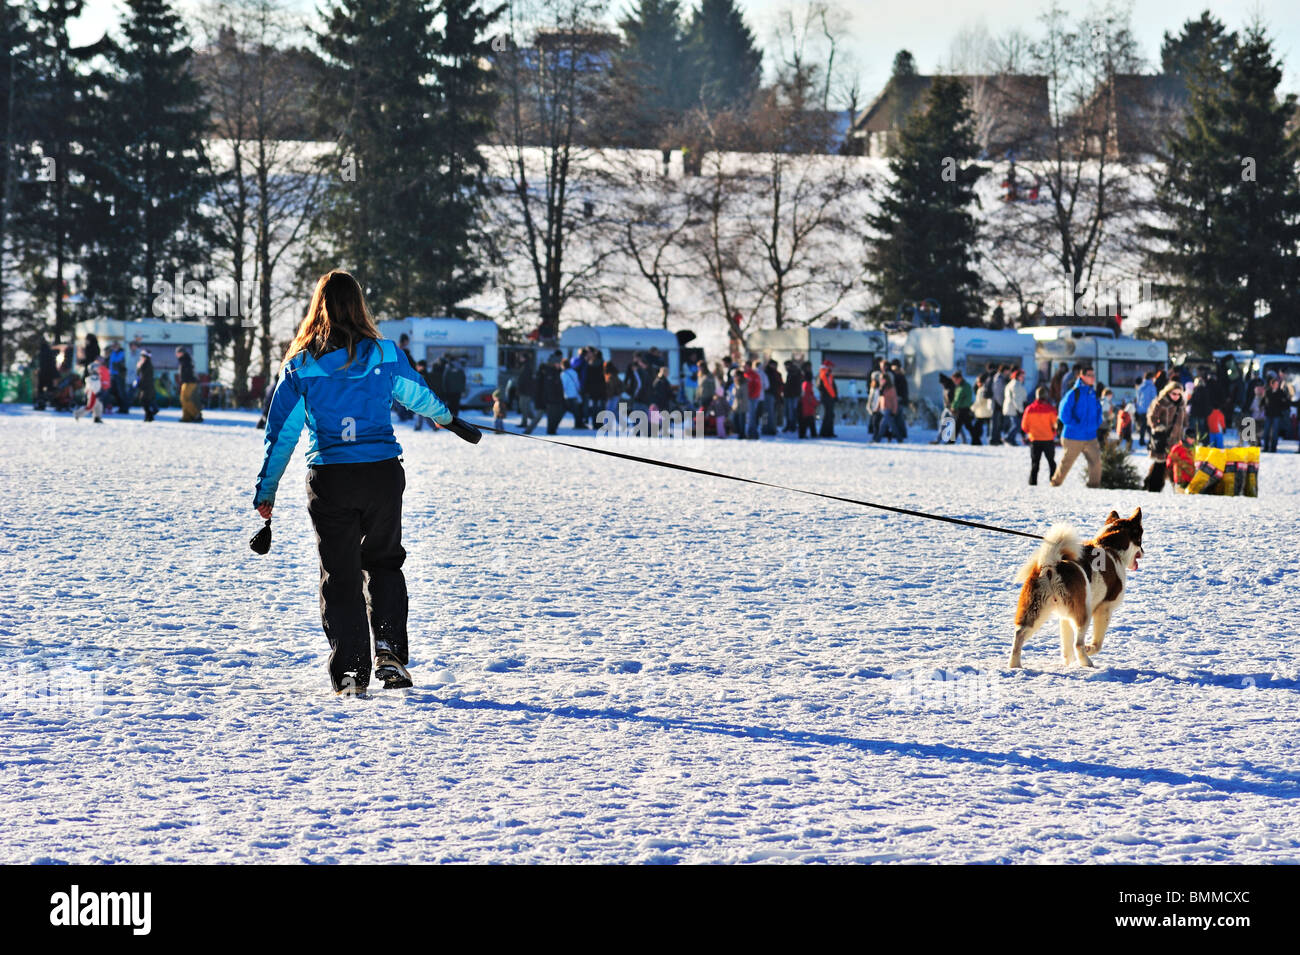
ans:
(807, 412)
(1180, 465)
(757, 384)
(1039, 425)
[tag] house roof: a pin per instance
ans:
(902, 94)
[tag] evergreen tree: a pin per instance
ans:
(147, 168)
(925, 229)
(1230, 206)
(409, 107)
(1203, 37)
(51, 204)
(904, 65)
(723, 66)
(16, 131)
(651, 61)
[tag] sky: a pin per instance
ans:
(927, 27)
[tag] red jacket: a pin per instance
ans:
(755, 386)
(807, 401)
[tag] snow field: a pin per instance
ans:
(617, 663)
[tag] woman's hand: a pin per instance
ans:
(265, 511)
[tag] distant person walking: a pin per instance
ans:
(189, 383)
(1039, 425)
(1080, 420)
(829, 394)
(144, 385)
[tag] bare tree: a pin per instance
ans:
(807, 242)
(551, 94)
(264, 185)
(1068, 237)
(649, 226)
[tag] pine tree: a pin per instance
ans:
(409, 107)
(651, 62)
(17, 127)
(1204, 37)
(147, 168)
(723, 65)
(1230, 206)
(926, 231)
(1118, 471)
(53, 206)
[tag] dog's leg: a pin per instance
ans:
(1023, 633)
(1100, 624)
(1067, 640)
(1080, 628)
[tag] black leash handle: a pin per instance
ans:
(780, 487)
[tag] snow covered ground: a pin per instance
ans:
(617, 663)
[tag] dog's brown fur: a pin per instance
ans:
(1077, 581)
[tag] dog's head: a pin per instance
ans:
(1123, 535)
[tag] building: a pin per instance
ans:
(1011, 111)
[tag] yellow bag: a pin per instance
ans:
(1229, 486)
(1209, 471)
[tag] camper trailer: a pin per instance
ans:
(619, 344)
(472, 342)
(1120, 362)
(852, 353)
(929, 352)
(159, 336)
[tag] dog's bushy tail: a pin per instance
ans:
(1059, 543)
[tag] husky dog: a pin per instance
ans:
(1075, 581)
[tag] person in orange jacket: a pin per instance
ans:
(1039, 425)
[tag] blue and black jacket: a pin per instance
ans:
(347, 410)
(1081, 412)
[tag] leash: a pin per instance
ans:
(780, 487)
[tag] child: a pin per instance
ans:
(1216, 424)
(1039, 425)
(1124, 426)
(498, 411)
(807, 412)
(98, 382)
(1180, 465)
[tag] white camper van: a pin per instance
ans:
(472, 342)
(930, 352)
(853, 353)
(619, 343)
(157, 335)
(1119, 361)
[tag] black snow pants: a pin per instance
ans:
(356, 510)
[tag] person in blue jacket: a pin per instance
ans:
(340, 379)
(1080, 416)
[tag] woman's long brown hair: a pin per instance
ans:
(336, 318)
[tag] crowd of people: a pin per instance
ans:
(1172, 409)
(740, 399)
(96, 381)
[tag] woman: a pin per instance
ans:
(340, 379)
(1167, 418)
